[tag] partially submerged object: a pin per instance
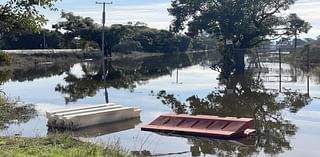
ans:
(99, 130)
(81, 117)
(202, 125)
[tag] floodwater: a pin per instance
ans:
(285, 104)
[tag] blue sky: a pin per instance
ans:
(154, 12)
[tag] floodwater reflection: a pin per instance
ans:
(100, 130)
(208, 146)
(185, 84)
(10, 111)
(244, 96)
(121, 74)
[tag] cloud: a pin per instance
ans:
(155, 13)
(309, 11)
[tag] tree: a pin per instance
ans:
(77, 26)
(19, 15)
(33, 40)
(74, 24)
(296, 26)
(245, 22)
(122, 38)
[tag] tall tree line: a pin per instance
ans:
(83, 33)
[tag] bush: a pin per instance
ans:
(4, 59)
(12, 112)
(127, 47)
(5, 75)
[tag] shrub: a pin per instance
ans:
(127, 47)
(4, 59)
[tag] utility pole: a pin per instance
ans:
(103, 24)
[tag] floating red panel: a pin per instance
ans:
(174, 122)
(218, 125)
(234, 126)
(188, 123)
(202, 125)
(160, 120)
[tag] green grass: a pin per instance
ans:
(53, 147)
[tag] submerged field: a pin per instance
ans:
(284, 103)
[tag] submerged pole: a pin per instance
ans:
(308, 59)
(308, 70)
(280, 69)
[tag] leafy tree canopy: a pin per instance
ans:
(246, 22)
(295, 26)
(74, 23)
(126, 38)
(20, 15)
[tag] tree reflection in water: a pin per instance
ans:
(122, 74)
(244, 96)
(10, 111)
(5, 75)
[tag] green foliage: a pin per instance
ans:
(84, 33)
(5, 75)
(34, 40)
(17, 16)
(2, 100)
(127, 46)
(11, 111)
(246, 22)
(74, 24)
(122, 38)
(54, 146)
(4, 59)
(296, 26)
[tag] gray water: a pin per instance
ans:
(287, 113)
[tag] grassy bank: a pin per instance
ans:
(53, 147)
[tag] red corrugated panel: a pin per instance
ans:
(202, 125)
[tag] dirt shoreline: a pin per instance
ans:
(21, 61)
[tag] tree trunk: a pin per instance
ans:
(239, 61)
(295, 41)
